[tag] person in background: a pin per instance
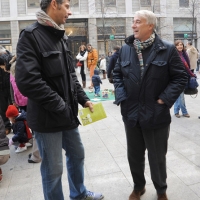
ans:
(148, 78)
(34, 157)
(102, 66)
(198, 61)
(18, 99)
(46, 75)
(82, 57)
(112, 63)
(4, 148)
(5, 97)
(193, 56)
(180, 102)
(96, 83)
(91, 61)
(108, 59)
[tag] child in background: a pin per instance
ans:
(96, 83)
(4, 149)
(19, 128)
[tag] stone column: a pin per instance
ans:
(14, 25)
(92, 32)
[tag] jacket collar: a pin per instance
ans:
(158, 43)
(56, 32)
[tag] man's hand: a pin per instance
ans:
(90, 105)
(160, 101)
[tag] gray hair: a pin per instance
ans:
(149, 16)
(44, 4)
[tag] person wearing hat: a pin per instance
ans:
(19, 128)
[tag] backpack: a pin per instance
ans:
(28, 131)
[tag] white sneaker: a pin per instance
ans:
(21, 149)
(28, 144)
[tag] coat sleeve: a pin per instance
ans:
(110, 66)
(95, 57)
(120, 92)
(177, 81)
(28, 75)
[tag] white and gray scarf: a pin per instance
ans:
(45, 20)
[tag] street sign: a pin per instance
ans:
(112, 37)
(185, 35)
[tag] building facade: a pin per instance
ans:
(104, 23)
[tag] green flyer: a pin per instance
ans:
(88, 117)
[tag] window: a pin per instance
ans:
(74, 5)
(110, 2)
(184, 3)
(0, 7)
(33, 4)
(183, 25)
(145, 3)
(5, 30)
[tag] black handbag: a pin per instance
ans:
(191, 87)
(190, 91)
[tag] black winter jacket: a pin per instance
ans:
(19, 129)
(45, 74)
(164, 78)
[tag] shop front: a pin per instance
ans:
(110, 32)
(5, 35)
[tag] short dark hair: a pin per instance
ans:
(116, 48)
(44, 4)
(190, 43)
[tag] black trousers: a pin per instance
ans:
(82, 72)
(5, 101)
(156, 142)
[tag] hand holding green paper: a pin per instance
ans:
(88, 117)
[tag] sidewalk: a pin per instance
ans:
(106, 165)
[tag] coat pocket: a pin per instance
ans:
(159, 69)
(125, 67)
(52, 63)
(59, 119)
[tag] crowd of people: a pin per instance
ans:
(149, 76)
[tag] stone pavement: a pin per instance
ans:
(106, 166)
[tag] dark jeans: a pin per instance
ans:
(5, 101)
(82, 72)
(155, 141)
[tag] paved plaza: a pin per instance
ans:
(106, 165)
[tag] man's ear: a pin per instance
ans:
(54, 4)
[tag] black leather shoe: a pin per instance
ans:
(31, 161)
(29, 155)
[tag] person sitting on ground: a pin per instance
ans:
(102, 66)
(4, 148)
(19, 128)
(96, 83)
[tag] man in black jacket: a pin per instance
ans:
(45, 74)
(112, 62)
(148, 78)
